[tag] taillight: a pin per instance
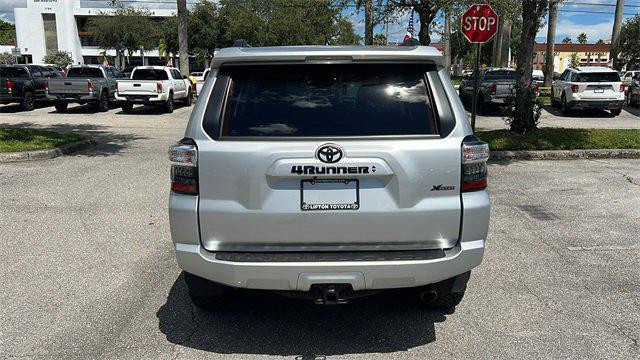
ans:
(10, 86)
(537, 89)
(574, 88)
(116, 86)
(90, 85)
(184, 167)
(621, 87)
(159, 87)
(46, 86)
(475, 154)
(494, 88)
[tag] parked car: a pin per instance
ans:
(628, 76)
(633, 93)
(126, 72)
(329, 179)
(538, 77)
(200, 82)
(195, 76)
(85, 84)
(591, 87)
(23, 84)
(495, 85)
(159, 85)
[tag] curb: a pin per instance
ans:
(566, 154)
(47, 154)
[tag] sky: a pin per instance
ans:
(593, 17)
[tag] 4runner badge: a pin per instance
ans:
(442, 187)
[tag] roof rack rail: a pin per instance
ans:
(241, 43)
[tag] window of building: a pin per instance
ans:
(50, 32)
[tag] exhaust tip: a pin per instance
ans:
(428, 296)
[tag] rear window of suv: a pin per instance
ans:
(598, 77)
(327, 100)
(149, 74)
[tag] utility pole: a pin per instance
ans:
(615, 36)
(447, 43)
(183, 37)
(368, 22)
(551, 43)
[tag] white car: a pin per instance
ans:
(591, 87)
(158, 85)
(538, 76)
(627, 77)
(200, 81)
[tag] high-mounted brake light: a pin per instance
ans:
(159, 87)
(475, 154)
(184, 167)
(574, 88)
(10, 86)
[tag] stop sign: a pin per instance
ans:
(479, 23)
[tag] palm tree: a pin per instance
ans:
(566, 40)
(582, 38)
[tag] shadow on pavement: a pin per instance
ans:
(259, 322)
(588, 113)
(150, 110)
(15, 108)
(108, 142)
(632, 110)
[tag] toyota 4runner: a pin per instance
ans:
(328, 173)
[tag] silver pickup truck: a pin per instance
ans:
(85, 84)
(494, 87)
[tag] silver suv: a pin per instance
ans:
(328, 173)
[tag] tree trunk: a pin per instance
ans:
(615, 35)
(524, 118)
(551, 42)
(368, 22)
(183, 36)
(423, 34)
(447, 42)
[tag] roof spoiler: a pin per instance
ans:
(241, 43)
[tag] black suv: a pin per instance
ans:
(24, 84)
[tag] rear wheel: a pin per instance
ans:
(206, 294)
(103, 103)
(127, 107)
(565, 107)
(446, 294)
(61, 106)
(28, 101)
(188, 100)
(169, 105)
(616, 112)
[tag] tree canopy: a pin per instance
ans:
(7, 33)
(630, 42)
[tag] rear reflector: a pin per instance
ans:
(475, 154)
(184, 170)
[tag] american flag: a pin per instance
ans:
(409, 34)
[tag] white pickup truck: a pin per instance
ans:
(154, 85)
(200, 81)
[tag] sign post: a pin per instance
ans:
(479, 24)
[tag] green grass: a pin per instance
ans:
(545, 99)
(16, 139)
(456, 80)
(562, 139)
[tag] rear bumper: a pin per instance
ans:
(140, 99)
(299, 276)
(595, 104)
(72, 97)
(9, 99)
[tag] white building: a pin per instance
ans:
(46, 25)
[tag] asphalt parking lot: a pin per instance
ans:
(88, 268)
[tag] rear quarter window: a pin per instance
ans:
(314, 100)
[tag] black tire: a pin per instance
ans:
(616, 112)
(206, 294)
(169, 105)
(446, 294)
(28, 101)
(565, 107)
(103, 102)
(188, 100)
(127, 107)
(61, 106)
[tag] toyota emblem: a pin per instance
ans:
(329, 153)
